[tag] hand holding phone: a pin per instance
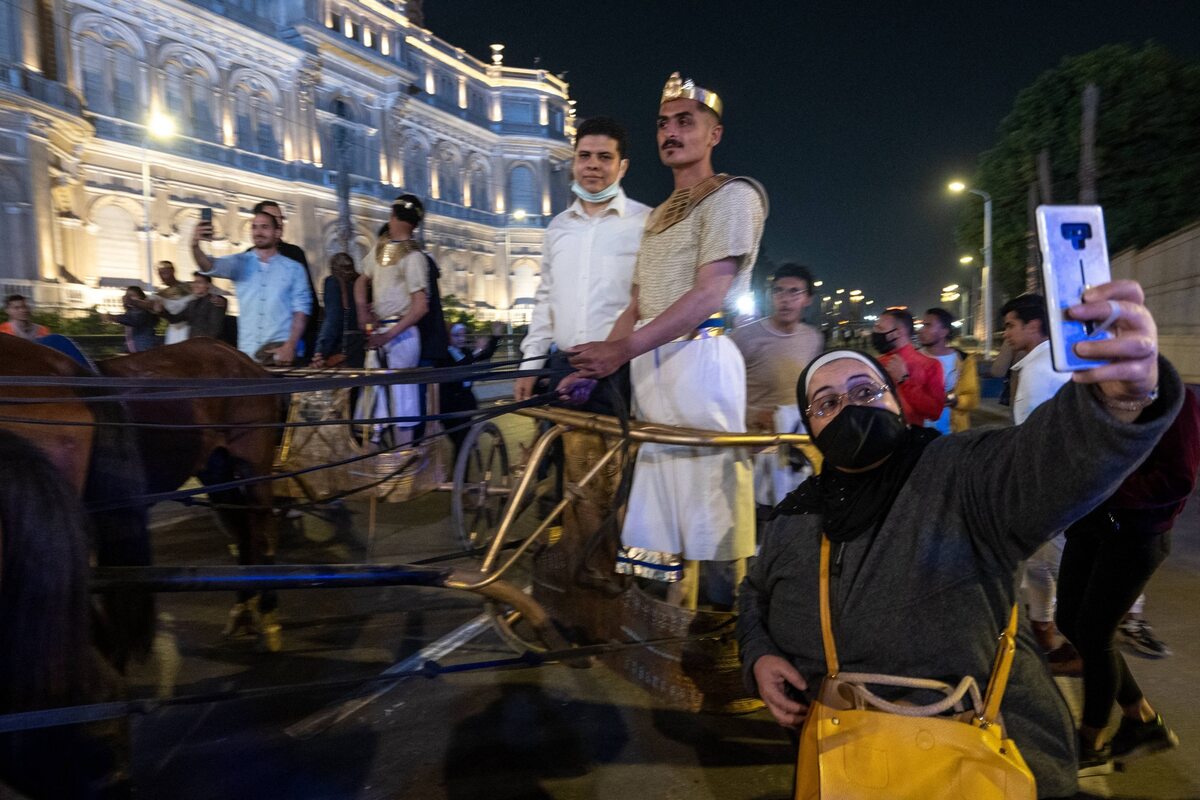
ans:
(206, 227)
(1074, 259)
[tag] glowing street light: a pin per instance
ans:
(958, 187)
(965, 259)
(840, 291)
(818, 284)
(951, 288)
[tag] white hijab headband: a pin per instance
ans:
(838, 355)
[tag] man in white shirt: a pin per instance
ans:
(1025, 325)
(587, 277)
(587, 268)
(1025, 328)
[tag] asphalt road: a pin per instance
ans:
(549, 732)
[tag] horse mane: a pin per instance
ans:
(45, 645)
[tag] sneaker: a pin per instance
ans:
(1138, 634)
(1135, 738)
(1094, 761)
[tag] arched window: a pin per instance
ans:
(189, 95)
(524, 279)
(416, 169)
(118, 254)
(94, 65)
(350, 139)
(522, 191)
(449, 178)
(254, 118)
(481, 196)
(127, 102)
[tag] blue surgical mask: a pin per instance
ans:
(605, 194)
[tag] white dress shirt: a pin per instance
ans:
(587, 276)
(1037, 382)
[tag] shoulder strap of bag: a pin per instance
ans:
(831, 659)
(1001, 668)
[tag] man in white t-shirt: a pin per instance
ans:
(395, 270)
(1025, 328)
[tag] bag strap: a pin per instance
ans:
(1001, 668)
(831, 659)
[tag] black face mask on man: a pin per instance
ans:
(860, 436)
(881, 343)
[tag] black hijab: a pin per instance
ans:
(853, 503)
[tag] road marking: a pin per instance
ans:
(323, 720)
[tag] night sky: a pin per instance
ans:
(853, 115)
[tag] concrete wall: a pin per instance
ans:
(1169, 271)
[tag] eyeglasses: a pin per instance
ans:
(862, 395)
(788, 291)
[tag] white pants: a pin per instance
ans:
(1039, 579)
(774, 478)
(398, 399)
(694, 501)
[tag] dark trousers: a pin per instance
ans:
(1104, 568)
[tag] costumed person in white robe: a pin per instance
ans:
(687, 504)
(395, 271)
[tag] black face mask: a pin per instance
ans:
(881, 343)
(859, 436)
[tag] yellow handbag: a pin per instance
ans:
(855, 744)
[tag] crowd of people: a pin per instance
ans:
(930, 521)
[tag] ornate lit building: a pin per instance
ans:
(274, 99)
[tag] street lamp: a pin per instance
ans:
(162, 127)
(965, 259)
(958, 187)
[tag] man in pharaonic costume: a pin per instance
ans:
(687, 504)
(396, 271)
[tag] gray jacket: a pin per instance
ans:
(928, 595)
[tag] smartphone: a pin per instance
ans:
(1074, 258)
(206, 219)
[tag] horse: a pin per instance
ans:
(122, 464)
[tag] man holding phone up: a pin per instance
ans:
(273, 293)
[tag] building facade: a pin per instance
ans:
(300, 101)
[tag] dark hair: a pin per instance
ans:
(409, 208)
(604, 126)
(1028, 307)
(945, 318)
(139, 291)
(268, 215)
(797, 271)
(202, 276)
(14, 298)
(901, 316)
(164, 264)
(262, 206)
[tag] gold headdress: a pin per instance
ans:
(678, 88)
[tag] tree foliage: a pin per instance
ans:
(1147, 152)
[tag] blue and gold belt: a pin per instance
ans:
(711, 327)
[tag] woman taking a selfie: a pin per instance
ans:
(926, 531)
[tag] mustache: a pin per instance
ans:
(671, 143)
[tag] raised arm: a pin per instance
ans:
(1020, 485)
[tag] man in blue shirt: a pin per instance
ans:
(274, 297)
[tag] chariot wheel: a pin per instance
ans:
(483, 481)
